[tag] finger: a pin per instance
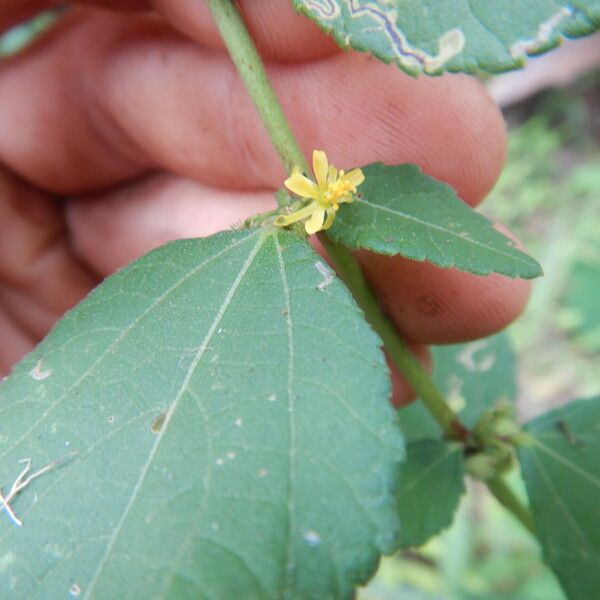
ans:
(33, 317)
(440, 306)
(447, 125)
(278, 31)
(65, 144)
(112, 97)
(39, 276)
(15, 343)
(110, 229)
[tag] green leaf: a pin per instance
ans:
(400, 210)
(220, 412)
(433, 36)
(561, 468)
(473, 377)
(430, 486)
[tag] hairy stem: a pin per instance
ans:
(350, 272)
(245, 57)
(250, 67)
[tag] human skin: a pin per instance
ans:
(121, 130)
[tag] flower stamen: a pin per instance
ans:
(331, 188)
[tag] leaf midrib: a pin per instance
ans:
(291, 505)
(449, 451)
(516, 255)
(579, 531)
(566, 463)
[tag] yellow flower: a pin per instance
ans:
(331, 189)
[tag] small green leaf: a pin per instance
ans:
(433, 36)
(473, 377)
(219, 410)
(400, 210)
(561, 468)
(430, 486)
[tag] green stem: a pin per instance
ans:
(350, 272)
(260, 218)
(245, 57)
(504, 494)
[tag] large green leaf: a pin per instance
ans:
(473, 377)
(220, 411)
(402, 211)
(432, 36)
(561, 468)
(430, 486)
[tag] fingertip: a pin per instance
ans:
(363, 111)
(432, 305)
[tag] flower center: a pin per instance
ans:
(337, 190)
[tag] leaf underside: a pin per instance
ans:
(400, 210)
(433, 36)
(222, 413)
(561, 468)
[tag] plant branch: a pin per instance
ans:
(250, 67)
(245, 57)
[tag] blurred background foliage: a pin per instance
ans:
(548, 195)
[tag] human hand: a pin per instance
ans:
(120, 132)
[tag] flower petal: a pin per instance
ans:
(315, 223)
(330, 218)
(320, 167)
(301, 185)
(332, 174)
(354, 177)
(305, 211)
